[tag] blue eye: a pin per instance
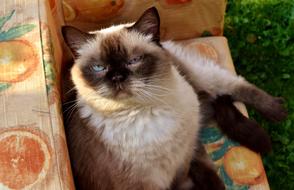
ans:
(98, 68)
(135, 60)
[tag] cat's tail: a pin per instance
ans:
(238, 127)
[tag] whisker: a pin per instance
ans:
(70, 90)
(68, 102)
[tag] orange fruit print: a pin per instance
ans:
(24, 158)
(68, 12)
(206, 50)
(244, 166)
(15, 67)
(93, 10)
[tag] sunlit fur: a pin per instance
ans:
(153, 129)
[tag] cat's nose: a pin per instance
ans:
(117, 75)
(118, 78)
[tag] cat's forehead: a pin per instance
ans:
(115, 40)
(112, 47)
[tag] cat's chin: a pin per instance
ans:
(122, 95)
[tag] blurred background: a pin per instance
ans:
(261, 40)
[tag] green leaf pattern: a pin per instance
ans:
(4, 19)
(211, 134)
(16, 32)
(10, 34)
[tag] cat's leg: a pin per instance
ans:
(219, 81)
(202, 172)
(268, 106)
(199, 173)
(182, 180)
(206, 75)
(204, 177)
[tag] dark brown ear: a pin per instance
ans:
(149, 24)
(74, 38)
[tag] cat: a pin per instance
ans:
(140, 108)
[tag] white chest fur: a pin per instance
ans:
(135, 128)
(156, 139)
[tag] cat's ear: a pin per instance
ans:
(74, 38)
(149, 24)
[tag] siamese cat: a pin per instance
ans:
(140, 104)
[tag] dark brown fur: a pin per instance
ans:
(238, 127)
(74, 38)
(149, 23)
(203, 173)
(270, 107)
(204, 177)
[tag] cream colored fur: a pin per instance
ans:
(156, 137)
(204, 73)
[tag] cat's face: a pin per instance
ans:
(124, 61)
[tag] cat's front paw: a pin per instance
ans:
(212, 182)
(275, 110)
(204, 177)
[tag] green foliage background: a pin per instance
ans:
(261, 39)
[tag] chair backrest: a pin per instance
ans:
(180, 19)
